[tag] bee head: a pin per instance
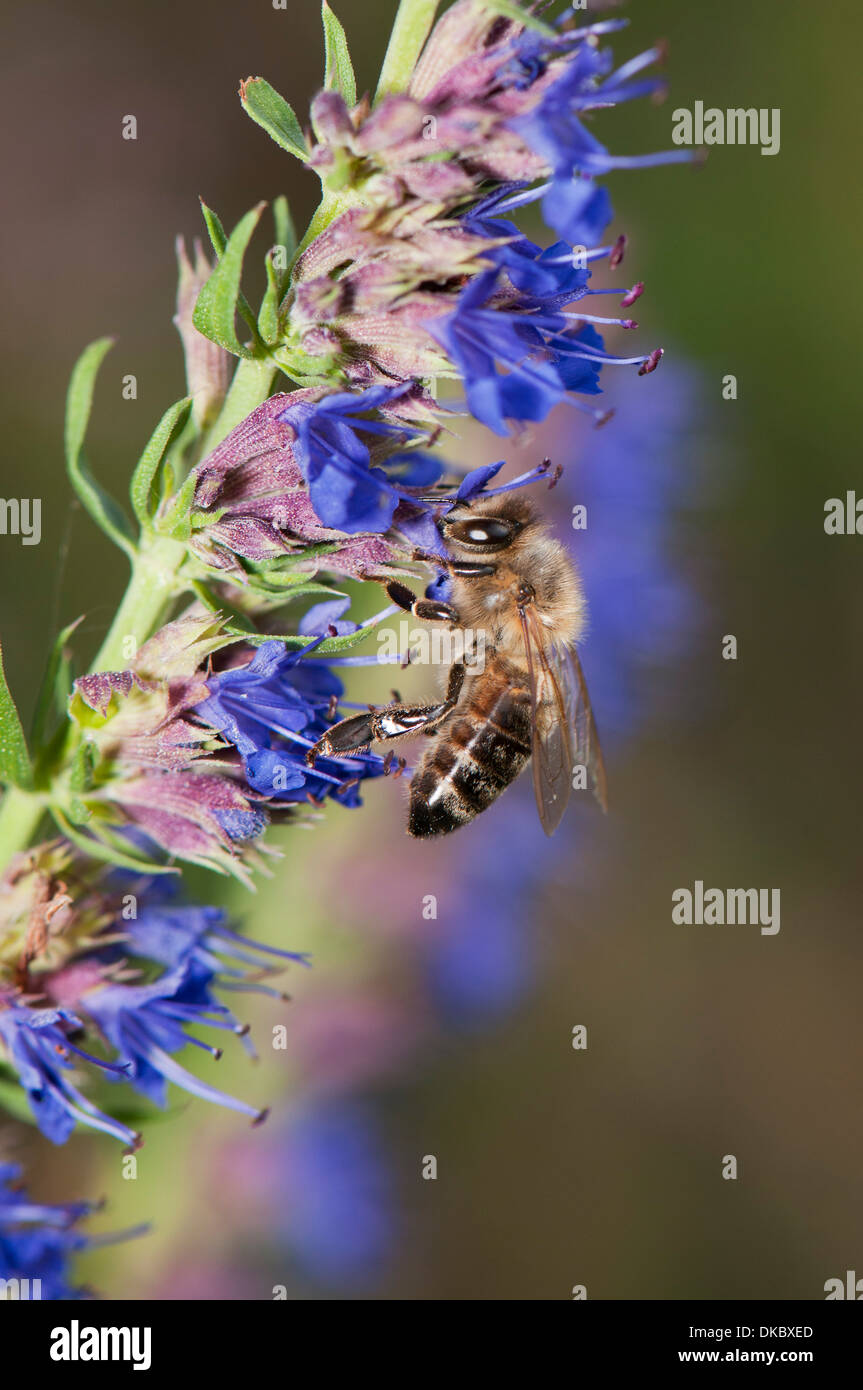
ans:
(486, 526)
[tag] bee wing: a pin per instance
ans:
(563, 729)
(588, 753)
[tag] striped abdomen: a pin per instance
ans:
(482, 747)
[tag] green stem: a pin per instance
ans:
(250, 387)
(326, 212)
(152, 587)
(410, 31)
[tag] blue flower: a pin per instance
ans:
(38, 1047)
(36, 1240)
(642, 608)
(482, 960)
(335, 1211)
(347, 493)
(545, 354)
(272, 710)
(571, 205)
(172, 932)
(534, 271)
(147, 1023)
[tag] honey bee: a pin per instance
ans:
(516, 588)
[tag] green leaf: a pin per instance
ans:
(286, 234)
(411, 26)
(216, 232)
(222, 607)
(102, 507)
(268, 319)
(82, 767)
(294, 640)
(278, 277)
(14, 758)
(219, 240)
(112, 852)
(273, 114)
(177, 521)
(338, 69)
(163, 437)
(221, 297)
(55, 686)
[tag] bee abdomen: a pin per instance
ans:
(476, 758)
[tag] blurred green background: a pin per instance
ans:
(556, 1167)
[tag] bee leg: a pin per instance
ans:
(427, 609)
(461, 569)
(354, 734)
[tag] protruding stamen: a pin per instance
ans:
(635, 293)
(635, 65)
(617, 251)
(652, 362)
(595, 318)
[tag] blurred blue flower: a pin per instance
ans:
(642, 605)
(481, 960)
(36, 1240)
(147, 1023)
(38, 1047)
(171, 931)
(334, 1200)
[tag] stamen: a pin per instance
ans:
(533, 475)
(595, 318)
(529, 196)
(651, 363)
(617, 251)
(643, 60)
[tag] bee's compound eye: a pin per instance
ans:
(481, 531)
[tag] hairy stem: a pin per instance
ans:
(145, 604)
(410, 31)
(250, 387)
(152, 587)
